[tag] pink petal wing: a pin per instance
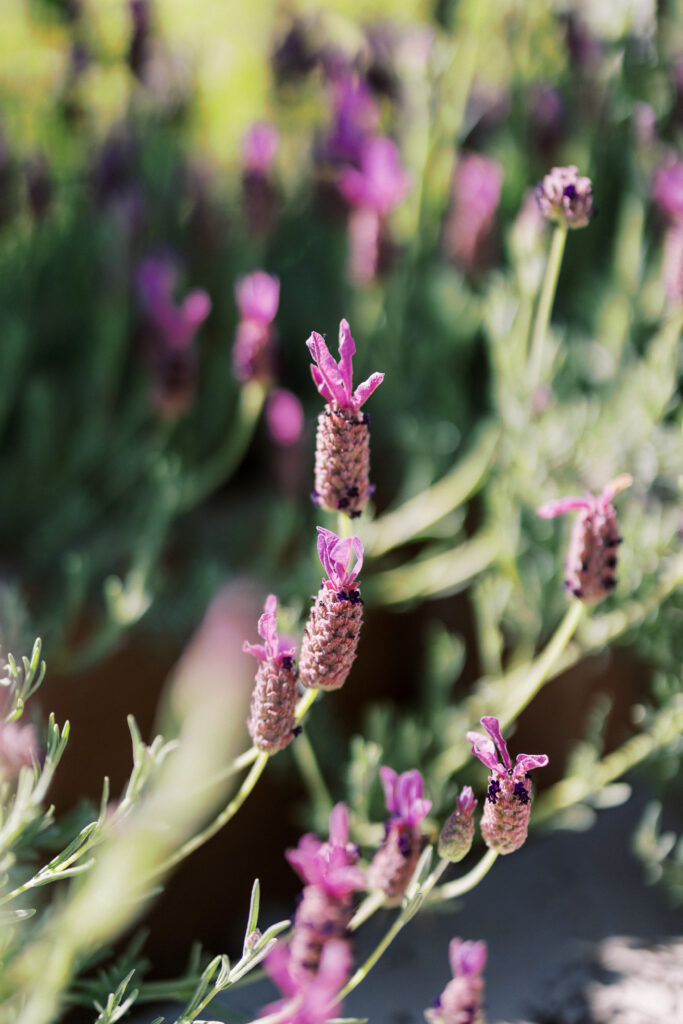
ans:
(492, 726)
(328, 368)
(347, 349)
(484, 749)
(389, 779)
(558, 508)
(364, 390)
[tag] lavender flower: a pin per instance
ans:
(592, 558)
(566, 197)
(258, 297)
(285, 417)
(394, 863)
(259, 147)
(173, 330)
(18, 747)
(342, 457)
(331, 634)
(331, 875)
(667, 190)
(505, 820)
(260, 200)
(469, 233)
(461, 1000)
(372, 191)
(272, 720)
(355, 117)
(317, 1000)
(457, 834)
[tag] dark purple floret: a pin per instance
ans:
(405, 844)
(493, 791)
(521, 792)
(570, 191)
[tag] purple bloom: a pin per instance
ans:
(469, 234)
(667, 190)
(505, 821)
(355, 116)
(309, 1001)
(176, 325)
(592, 559)
(334, 380)
(461, 1000)
(285, 416)
(258, 297)
(566, 197)
(259, 147)
(329, 865)
(404, 795)
(275, 647)
(381, 183)
(335, 555)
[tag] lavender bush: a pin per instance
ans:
(418, 180)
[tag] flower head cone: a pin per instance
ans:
(394, 863)
(342, 457)
(461, 1000)
(315, 1000)
(271, 722)
(505, 820)
(457, 834)
(332, 876)
(331, 635)
(592, 558)
(566, 196)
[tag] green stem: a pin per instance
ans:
(304, 755)
(223, 818)
(367, 908)
(343, 525)
(468, 882)
(545, 303)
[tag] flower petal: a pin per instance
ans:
(562, 505)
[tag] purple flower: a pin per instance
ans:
(275, 647)
(176, 325)
(309, 1001)
(335, 555)
(592, 558)
(667, 190)
(330, 865)
(355, 116)
(477, 184)
(285, 416)
(259, 147)
(461, 1000)
(484, 748)
(381, 183)
(565, 196)
(334, 380)
(258, 297)
(404, 795)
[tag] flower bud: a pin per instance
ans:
(457, 834)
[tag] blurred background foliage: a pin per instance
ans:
(122, 129)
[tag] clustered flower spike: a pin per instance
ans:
(394, 863)
(566, 197)
(455, 839)
(342, 456)
(461, 1000)
(592, 557)
(272, 720)
(314, 1002)
(331, 874)
(331, 634)
(257, 296)
(505, 820)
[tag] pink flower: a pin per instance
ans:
(309, 1001)
(334, 380)
(335, 556)
(394, 863)
(461, 1000)
(592, 558)
(275, 647)
(176, 325)
(355, 116)
(505, 820)
(285, 416)
(667, 190)
(329, 865)
(477, 184)
(381, 183)
(259, 147)
(404, 795)
(565, 196)
(258, 297)
(272, 712)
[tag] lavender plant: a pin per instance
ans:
(511, 377)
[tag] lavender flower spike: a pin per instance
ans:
(592, 557)
(331, 634)
(457, 834)
(342, 456)
(505, 820)
(271, 722)
(461, 1000)
(566, 197)
(313, 1001)
(393, 865)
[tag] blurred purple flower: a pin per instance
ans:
(258, 297)
(309, 1001)
(404, 795)
(469, 233)
(259, 147)
(330, 865)
(395, 861)
(461, 1000)
(355, 117)
(285, 416)
(381, 183)
(667, 190)
(176, 324)
(18, 747)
